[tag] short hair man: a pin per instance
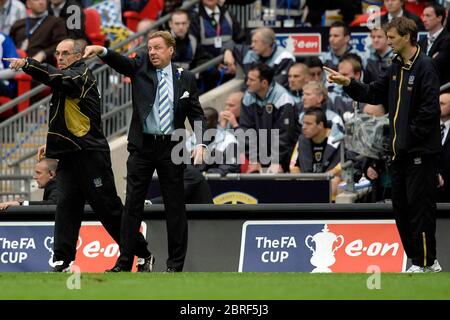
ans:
(298, 75)
(395, 9)
(409, 89)
(188, 53)
(379, 57)
(263, 49)
(315, 150)
(339, 44)
(229, 117)
(437, 42)
(267, 105)
(45, 176)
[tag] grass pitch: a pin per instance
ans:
(224, 286)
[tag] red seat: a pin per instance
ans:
(150, 11)
(416, 8)
(8, 113)
(244, 162)
(92, 26)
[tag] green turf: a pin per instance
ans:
(224, 286)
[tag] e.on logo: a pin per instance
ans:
(357, 248)
(306, 44)
(368, 244)
(96, 250)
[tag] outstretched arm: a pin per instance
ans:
(374, 93)
(71, 82)
(122, 64)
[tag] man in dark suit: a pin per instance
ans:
(395, 9)
(437, 43)
(163, 96)
(444, 168)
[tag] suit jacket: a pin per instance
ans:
(440, 48)
(144, 82)
(406, 14)
(437, 44)
(444, 170)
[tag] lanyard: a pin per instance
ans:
(29, 32)
(215, 23)
(218, 30)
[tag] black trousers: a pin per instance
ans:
(414, 189)
(156, 155)
(86, 176)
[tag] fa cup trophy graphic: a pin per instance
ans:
(48, 243)
(323, 255)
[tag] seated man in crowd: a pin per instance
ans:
(298, 76)
(189, 53)
(263, 50)
(379, 57)
(395, 9)
(315, 151)
(269, 106)
(221, 155)
(350, 66)
(45, 176)
(229, 118)
(215, 27)
(315, 95)
(339, 44)
(10, 11)
(315, 67)
(39, 33)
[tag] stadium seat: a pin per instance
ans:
(6, 114)
(93, 27)
(416, 8)
(244, 163)
(23, 85)
(151, 11)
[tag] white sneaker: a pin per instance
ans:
(415, 269)
(436, 267)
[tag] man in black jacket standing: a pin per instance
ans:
(410, 88)
(163, 96)
(76, 139)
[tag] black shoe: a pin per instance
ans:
(116, 269)
(146, 264)
(172, 270)
(61, 266)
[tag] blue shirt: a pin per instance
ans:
(151, 124)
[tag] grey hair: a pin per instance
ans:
(78, 45)
(268, 35)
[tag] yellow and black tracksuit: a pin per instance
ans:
(411, 92)
(84, 171)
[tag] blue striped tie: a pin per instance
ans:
(164, 103)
